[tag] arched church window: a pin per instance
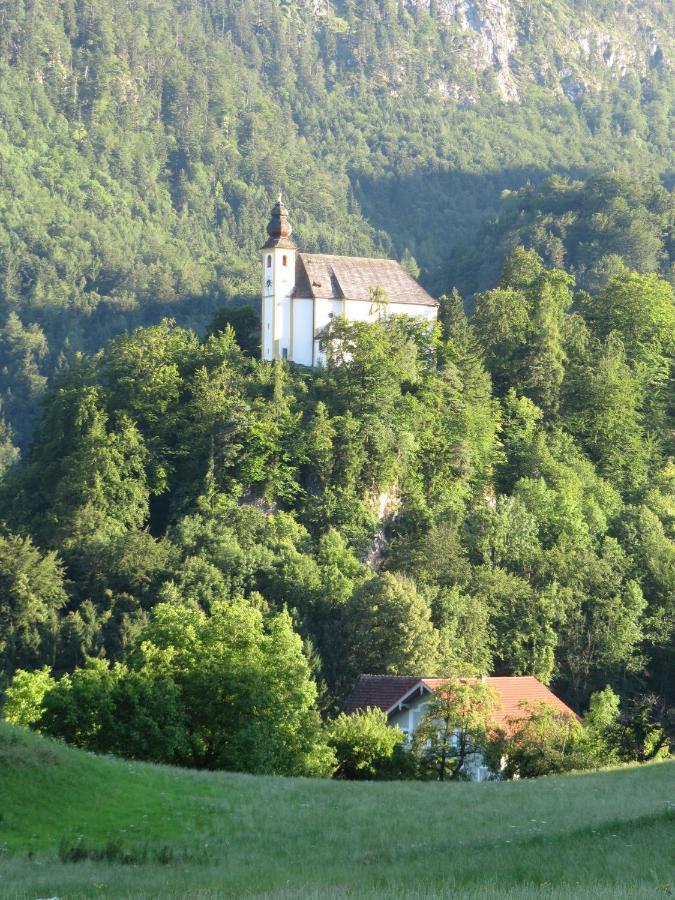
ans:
(269, 260)
(285, 260)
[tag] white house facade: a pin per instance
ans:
(302, 292)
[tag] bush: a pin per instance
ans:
(547, 742)
(137, 714)
(366, 746)
(24, 698)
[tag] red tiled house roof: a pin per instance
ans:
(379, 691)
(386, 692)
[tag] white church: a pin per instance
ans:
(303, 291)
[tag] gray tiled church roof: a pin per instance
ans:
(323, 276)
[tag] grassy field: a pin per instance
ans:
(76, 825)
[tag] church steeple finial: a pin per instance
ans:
(279, 228)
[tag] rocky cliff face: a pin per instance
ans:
(565, 47)
(577, 48)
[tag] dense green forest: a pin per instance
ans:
(141, 141)
(241, 539)
(590, 228)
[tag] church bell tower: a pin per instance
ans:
(278, 283)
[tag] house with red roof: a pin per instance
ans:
(403, 698)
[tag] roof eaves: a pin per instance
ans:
(418, 684)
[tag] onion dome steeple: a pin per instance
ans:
(279, 228)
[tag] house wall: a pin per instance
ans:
(409, 717)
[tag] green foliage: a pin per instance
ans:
(86, 470)
(222, 691)
(466, 630)
(545, 742)
(592, 228)
(245, 688)
(24, 698)
(497, 492)
(163, 130)
(454, 732)
(642, 733)
(364, 744)
(388, 629)
(409, 518)
(245, 323)
(106, 709)
(32, 592)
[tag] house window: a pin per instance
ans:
(418, 715)
(269, 260)
(285, 260)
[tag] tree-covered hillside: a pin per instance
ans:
(497, 495)
(590, 228)
(140, 143)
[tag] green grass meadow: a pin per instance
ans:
(76, 825)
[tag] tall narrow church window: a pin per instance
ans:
(285, 260)
(269, 260)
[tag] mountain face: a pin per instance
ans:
(567, 48)
(142, 140)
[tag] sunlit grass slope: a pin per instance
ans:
(75, 825)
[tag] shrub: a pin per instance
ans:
(366, 746)
(546, 742)
(24, 698)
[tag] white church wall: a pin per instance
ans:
(363, 311)
(283, 280)
(324, 310)
(284, 333)
(430, 313)
(359, 311)
(282, 275)
(267, 312)
(303, 332)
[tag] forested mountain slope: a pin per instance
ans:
(140, 143)
(589, 228)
